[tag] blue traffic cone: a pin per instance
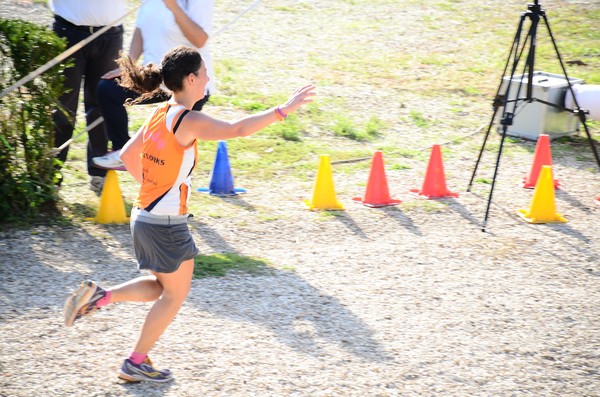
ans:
(221, 180)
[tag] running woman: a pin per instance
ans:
(162, 156)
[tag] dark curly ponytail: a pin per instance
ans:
(146, 80)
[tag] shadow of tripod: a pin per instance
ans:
(534, 13)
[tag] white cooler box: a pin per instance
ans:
(535, 118)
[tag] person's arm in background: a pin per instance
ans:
(191, 30)
(137, 45)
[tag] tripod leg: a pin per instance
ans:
(500, 99)
(487, 134)
(535, 18)
(589, 136)
(489, 203)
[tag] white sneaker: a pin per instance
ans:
(109, 161)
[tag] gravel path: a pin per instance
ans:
(374, 302)
(413, 300)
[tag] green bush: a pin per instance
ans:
(28, 171)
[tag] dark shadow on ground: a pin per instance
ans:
(350, 223)
(53, 246)
(591, 267)
(299, 314)
(584, 249)
(573, 201)
(463, 211)
(489, 227)
(569, 231)
(397, 214)
(237, 200)
(210, 237)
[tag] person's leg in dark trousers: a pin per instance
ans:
(112, 97)
(91, 61)
(101, 58)
(64, 119)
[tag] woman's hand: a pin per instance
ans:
(112, 74)
(300, 97)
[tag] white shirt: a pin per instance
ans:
(89, 12)
(161, 33)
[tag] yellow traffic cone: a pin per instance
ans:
(324, 192)
(542, 208)
(112, 206)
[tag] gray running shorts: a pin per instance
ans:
(161, 247)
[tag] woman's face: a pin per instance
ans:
(201, 80)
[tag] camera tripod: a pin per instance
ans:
(501, 100)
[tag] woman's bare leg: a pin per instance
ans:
(141, 289)
(175, 288)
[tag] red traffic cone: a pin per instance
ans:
(542, 156)
(598, 200)
(434, 185)
(377, 193)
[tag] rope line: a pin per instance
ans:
(249, 8)
(94, 124)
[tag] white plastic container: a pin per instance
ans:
(588, 98)
(534, 118)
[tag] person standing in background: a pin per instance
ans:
(76, 20)
(161, 25)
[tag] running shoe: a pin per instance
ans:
(110, 161)
(82, 302)
(150, 363)
(143, 372)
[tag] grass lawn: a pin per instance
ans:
(392, 76)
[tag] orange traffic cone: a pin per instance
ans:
(434, 185)
(377, 193)
(112, 206)
(598, 200)
(323, 197)
(543, 207)
(542, 156)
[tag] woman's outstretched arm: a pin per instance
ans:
(201, 126)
